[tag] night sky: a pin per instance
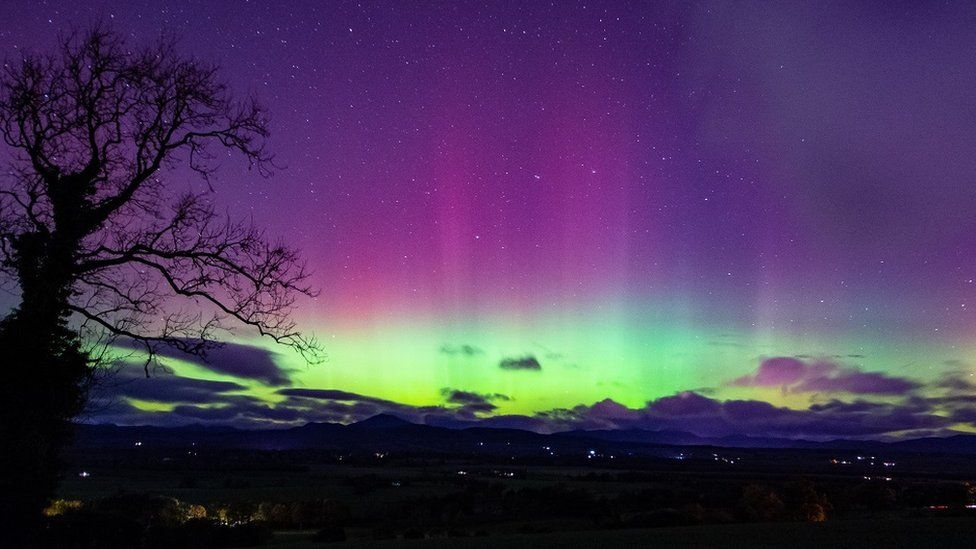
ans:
(716, 217)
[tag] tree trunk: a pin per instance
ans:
(45, 372)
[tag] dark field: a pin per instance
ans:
(910, 533)
(696, 497)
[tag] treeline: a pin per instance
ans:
(149, 521)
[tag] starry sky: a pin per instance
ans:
(718, 217)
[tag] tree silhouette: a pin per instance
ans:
(101, 247)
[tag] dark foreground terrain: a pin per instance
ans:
(397, 485)
(910, 533)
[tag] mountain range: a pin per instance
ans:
(386, 432)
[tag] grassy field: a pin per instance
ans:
(911, 533)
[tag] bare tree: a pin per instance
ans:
(101, 246)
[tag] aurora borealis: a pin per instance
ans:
(715, 217)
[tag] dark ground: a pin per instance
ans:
(672, 497)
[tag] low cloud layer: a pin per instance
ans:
(163, 387)
(703, 416)
(846, 403)
(795, 375)
(691, 412)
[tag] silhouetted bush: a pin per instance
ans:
(236, 513)
(144, 509)
(802, 501)
(302, 514)
(760, 503)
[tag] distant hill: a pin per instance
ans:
(389, 432)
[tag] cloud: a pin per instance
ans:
(964, 415)
(471, 405)
(207, 413)
(461, 350)
(699, 415)
(221, 403)
(234, 359)
(124, 413)
(853, 381)
(522, 363)
(324, 394)
(686, 403)
(858, 406)
(345, 407)
(774, 372)
(751, 411)
(609, 408)
(167, 388)
(958, 382)
(248, 362)
(799, 376)
(456, 396)
(215, 403)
